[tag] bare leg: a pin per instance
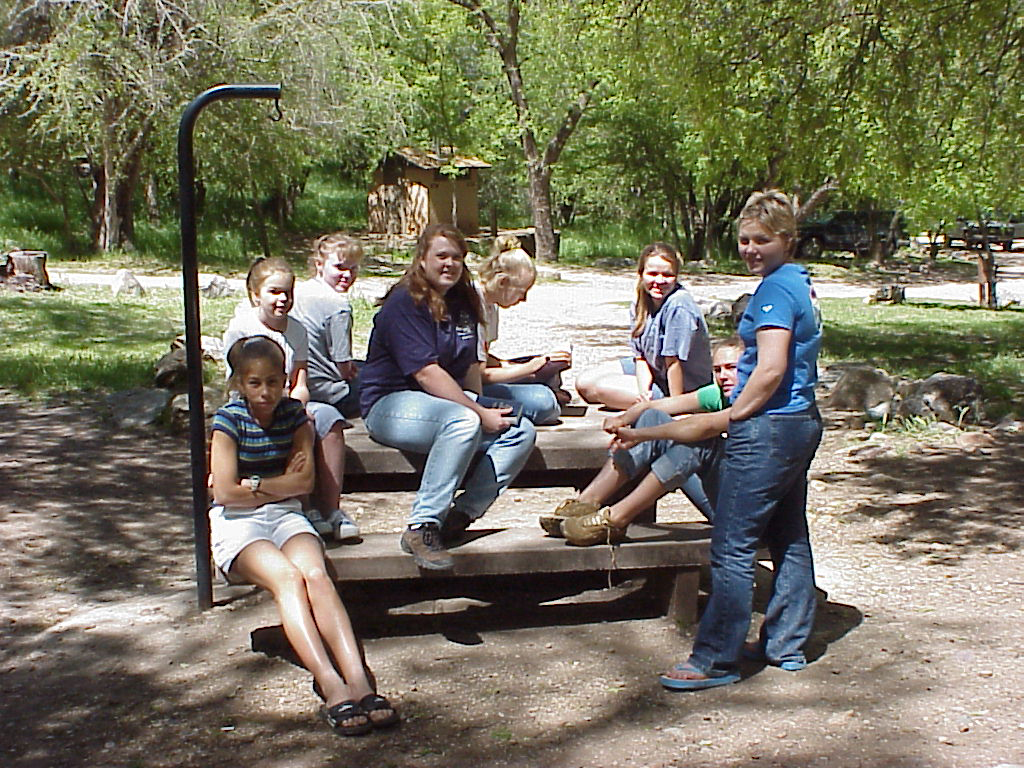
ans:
(329, 612)
(608, 480)
(640, 498)
(329, 454)
(608, 385)
(264, 565)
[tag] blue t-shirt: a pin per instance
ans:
(677, 329)
(784, 299)
(261, 451)
(406, 338)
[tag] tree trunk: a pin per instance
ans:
(540, 205)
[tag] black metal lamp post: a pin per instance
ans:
(193, 347)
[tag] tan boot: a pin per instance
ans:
(596, 528)
(552, 523)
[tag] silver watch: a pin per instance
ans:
(254, 483)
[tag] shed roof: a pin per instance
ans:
(434, 160)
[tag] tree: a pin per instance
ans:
(544, 133)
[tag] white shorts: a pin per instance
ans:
(232, 529)
(324, 417)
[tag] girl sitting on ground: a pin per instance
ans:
(534, 381)
(270, 284)
(261, 460)
(671, 351)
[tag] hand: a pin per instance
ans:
(612, 423)
(493, 419)
(625, 438)
(560, 356)
(296, 462)
(347, 370)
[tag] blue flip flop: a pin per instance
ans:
(699, 683)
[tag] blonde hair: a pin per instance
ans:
(508, 261)
(733, 342)
(643, 307)
(325, 246)
(260, 270)
(773, 210)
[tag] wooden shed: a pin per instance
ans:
(410, 191)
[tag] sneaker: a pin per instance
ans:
(454, 525)
(596, 528)
(552, 523)
(321, 526)
(342, 527)
(424, 544)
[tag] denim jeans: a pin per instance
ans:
(538, 400)
(693, 468)
(763, 496)
(449, 434)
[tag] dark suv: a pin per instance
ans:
(845, 231)
(973, 233)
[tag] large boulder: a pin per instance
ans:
(863, 388)
(944, 396)
(178, 410)
(138, 407)
(172, 370)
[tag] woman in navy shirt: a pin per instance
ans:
(421, 371)
(774, 431)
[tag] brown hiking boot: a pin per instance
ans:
(588, 530)
(552, 523)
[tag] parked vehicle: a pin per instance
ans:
(972, 233)
(847, 231)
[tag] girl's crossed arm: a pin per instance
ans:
(232, 491)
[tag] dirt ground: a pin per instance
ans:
(917, 656)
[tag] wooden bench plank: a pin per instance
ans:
(505, 551)
(578, 443)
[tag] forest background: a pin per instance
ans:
(654, 115)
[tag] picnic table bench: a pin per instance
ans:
(669, 556)
(566, 454)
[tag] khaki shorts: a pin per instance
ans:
(232, 529)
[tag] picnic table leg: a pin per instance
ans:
(681, 606)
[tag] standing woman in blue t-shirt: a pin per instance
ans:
(671, 350)
(774, 430)
(422, 360)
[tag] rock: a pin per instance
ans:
(138, 407)
(714, 309)
(864, 388)
(887, 294)
(739, 307)
(972, 442)
(217, 287)
(172, 370)
(1009, 423)
(178, 412)
(943, 396)
(126, 284)
(212, 347)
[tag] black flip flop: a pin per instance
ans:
(373, 702)
(347, 710)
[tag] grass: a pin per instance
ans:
(85, 339)
(918, 339)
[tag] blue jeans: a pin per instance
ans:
(693, 468)
(450, 435)
(763, 496)
(538, 400)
